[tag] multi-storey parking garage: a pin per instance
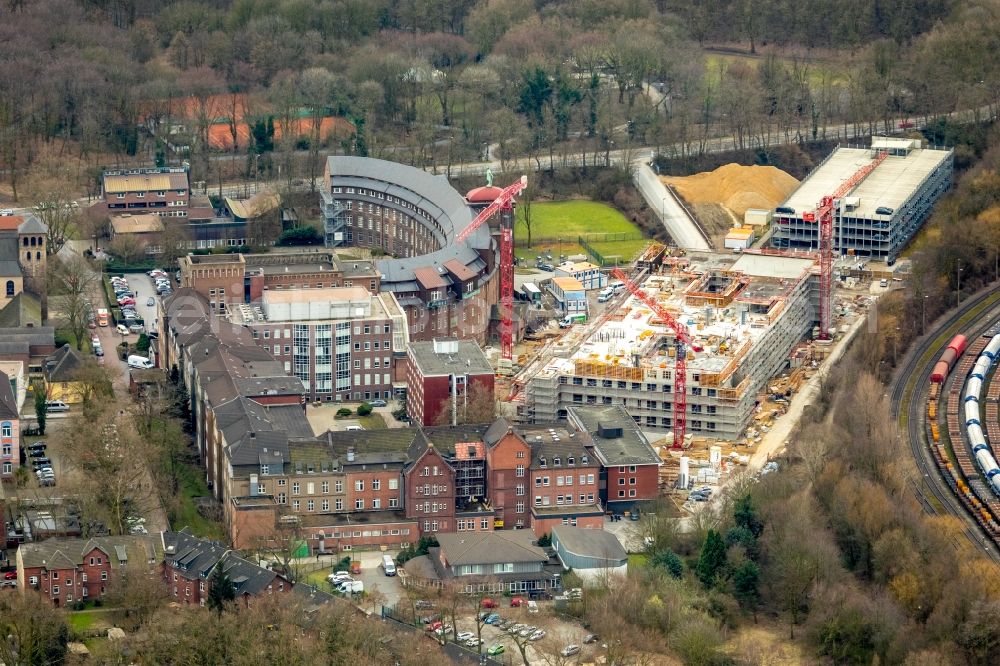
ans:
(880, 216)
(411, 218)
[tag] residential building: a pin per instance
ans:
(508, 459)
(594, 555)
(442, 377)
(629, 465)
(10, 429)
(66, 571)
(341, 342)
(189, 564)
(61, 372)
(881, 214)
(322, 489)
(163, 191)
(745, 314)
(587, 274)
(430, 488)
(507, 561)
(564, 478)
(570, 295)
(445, 286)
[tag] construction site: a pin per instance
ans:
(745, 313)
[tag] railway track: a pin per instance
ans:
(907, 405)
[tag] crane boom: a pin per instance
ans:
(503, 202)
(682, 339)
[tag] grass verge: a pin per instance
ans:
(186, 513)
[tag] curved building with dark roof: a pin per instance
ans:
(412, 218)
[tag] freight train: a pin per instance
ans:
(970, 398)
(950, 354)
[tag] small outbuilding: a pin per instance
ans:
(591, 553)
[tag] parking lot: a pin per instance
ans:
(559, 633)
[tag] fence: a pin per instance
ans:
(599, 258)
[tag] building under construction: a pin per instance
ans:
(879, 217)
(745, 311)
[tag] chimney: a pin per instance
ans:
(350, 454)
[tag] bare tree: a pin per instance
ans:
(71, 283)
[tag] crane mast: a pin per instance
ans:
(504, 202)
(824, 214)
(682, 339)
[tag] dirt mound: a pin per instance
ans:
(736, 187)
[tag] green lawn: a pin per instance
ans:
(84, 621)
(373, 421)
(557, 225)
(638, 561)
(186, 514)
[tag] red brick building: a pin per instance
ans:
(443, 376)
(66, 571)
(629, 465)
(430, 488)
(508, 457)
(564, 479)
(189, 564)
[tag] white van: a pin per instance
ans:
(140, 362)
(56, 406)
(605, 295)
(352, 587)
(617, 286)
(388, 566)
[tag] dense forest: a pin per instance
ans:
(434, 82)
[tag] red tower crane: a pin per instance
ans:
(682, 339)
(825, 215)
(504, 202)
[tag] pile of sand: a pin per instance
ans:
(736, 187)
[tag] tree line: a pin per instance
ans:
(91, 83)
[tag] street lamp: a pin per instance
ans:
(958, 285)
(923, 314)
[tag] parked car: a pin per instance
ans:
(492, 619)
(495, 649)
(434, 626)
(516, 602)
(36, 453)
(56, 406)
(591, 638)
(488, 603)
(10, 575)
(537, 635)
(378, 403)
(464, 636)
(570, 650)
(37, 445)
(136, 328)
(150, 302)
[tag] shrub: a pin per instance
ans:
(300, 236)
(364, 410)
(343, 413)
(142, 344)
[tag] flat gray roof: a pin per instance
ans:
(891, 184)
(757, 265)
(469, 359)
